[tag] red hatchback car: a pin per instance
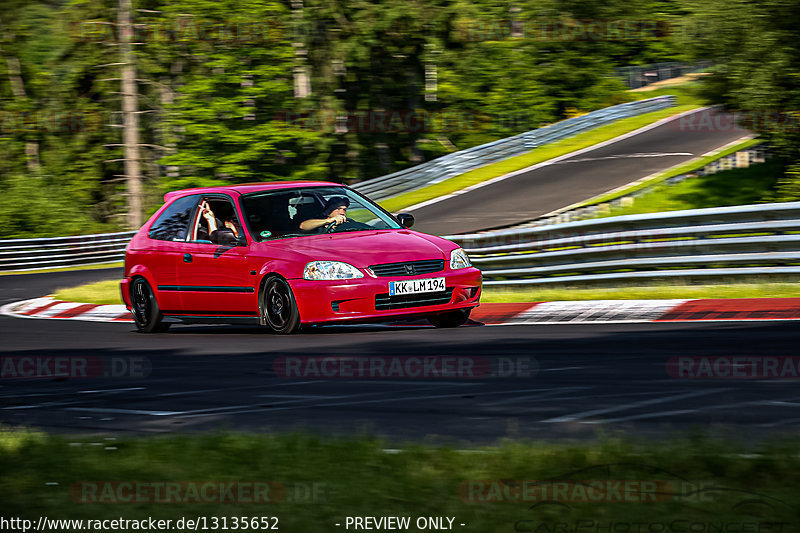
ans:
(288, 254)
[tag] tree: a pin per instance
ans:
(756, 47)
(232, 94)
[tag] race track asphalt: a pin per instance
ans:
(539, 191)
(546, 381)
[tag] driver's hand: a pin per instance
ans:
(338, 219)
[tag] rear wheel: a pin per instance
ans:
(450, 320)
(279, 307)
(146, 314)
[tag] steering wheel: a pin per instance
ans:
(346, 225)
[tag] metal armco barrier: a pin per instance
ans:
(636, 76)
(753, 240)
(450, 165)
(750, 240)
(52, 252)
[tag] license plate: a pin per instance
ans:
(415, 286)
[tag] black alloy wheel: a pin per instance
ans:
(146, 314)
(279, 307)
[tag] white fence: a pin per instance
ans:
(752, 240)
(52, 252)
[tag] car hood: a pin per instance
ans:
(362, 248)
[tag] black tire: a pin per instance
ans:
(146, 314)
(453, 319)
(278, 307)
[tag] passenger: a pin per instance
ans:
(214, 224)
(335, 212)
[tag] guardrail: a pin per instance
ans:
(47, 252)
(636, 76)
(450, 165)
(723, 241)
(754, 240)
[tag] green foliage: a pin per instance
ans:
(739, 186)
(701, 481)
(757, 73)
(787, 188)
(226, 119)
(36, 207)
(218, 89)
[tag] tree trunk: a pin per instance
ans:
(18, 88)
(131, 116)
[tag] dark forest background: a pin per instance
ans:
(252, 90)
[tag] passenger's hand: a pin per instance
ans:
(231, 226)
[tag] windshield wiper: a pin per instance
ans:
(286, 235)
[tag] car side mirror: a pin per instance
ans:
(224, 237)
(405, 219)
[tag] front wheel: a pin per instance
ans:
(452, 319)
(146, 314)
(279, 307)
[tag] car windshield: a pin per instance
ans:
(279, 214)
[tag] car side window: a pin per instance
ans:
(216, 216)
(173, 223)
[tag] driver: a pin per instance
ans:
(335, 212)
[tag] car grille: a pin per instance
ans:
(408, 268)
(384, 301)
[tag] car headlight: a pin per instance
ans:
(320, 270)
(459, 259)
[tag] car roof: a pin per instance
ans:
(246, 188)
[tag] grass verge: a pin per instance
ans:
(670, 173)
(64, 269)
(737, 186)
(107, 292)
(99, 292)
(539, 155)
(314, 483)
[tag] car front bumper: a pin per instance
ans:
(366, 299)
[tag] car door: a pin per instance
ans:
(166, 240)
(215, 279)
